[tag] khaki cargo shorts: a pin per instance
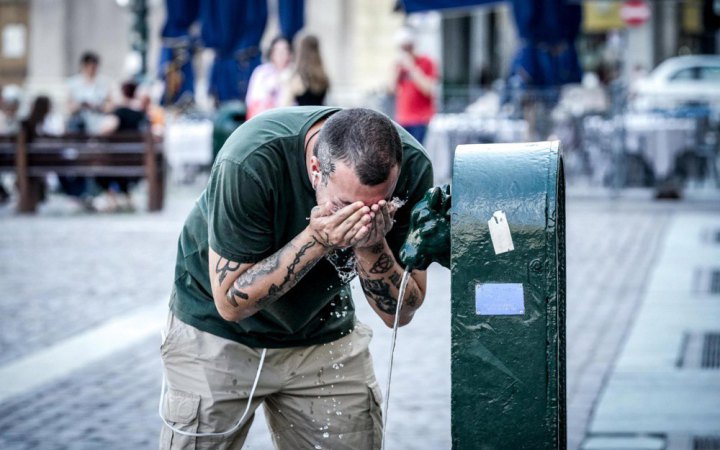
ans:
(318, 397)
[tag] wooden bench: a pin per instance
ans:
(119, 155)
(7, 152)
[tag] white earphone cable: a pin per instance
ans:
(219, 433)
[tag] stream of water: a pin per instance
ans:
(401, 294)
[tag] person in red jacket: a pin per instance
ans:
(415, 81)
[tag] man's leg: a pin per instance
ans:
(331, 399)
(208, 382)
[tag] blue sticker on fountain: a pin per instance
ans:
(499, 299)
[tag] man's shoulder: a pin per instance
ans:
(412, 149)
(280, 124)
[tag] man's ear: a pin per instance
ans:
(314, 164)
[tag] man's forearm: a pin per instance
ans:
(380, 277)
(266, 281)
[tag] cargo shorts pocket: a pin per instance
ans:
(180, 410)
(375, 409)
(172, 327)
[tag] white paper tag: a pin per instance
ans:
(500, 233)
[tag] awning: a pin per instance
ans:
(413, 6)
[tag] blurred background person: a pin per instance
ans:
(309, 82)
(128, 117)
(9, 106)
(415, 86)
(37, 124)
(266, 82)
(89, 96)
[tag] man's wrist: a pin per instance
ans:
(323, 242)
(375, 260)
(371, 251)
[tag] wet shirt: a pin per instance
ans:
(257, 200)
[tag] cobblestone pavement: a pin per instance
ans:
(112, 403)
(65, 273)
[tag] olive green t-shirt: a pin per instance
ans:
(257, 200)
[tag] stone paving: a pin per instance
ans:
(59, 277)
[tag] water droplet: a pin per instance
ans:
(317, 447)
(338, 413)
(326, 435)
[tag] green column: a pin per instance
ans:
(508, 306)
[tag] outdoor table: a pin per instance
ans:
(188, 144)
(659, 139)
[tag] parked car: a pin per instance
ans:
(679, 81)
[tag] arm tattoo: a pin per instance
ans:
(324, 240)
(228, 266)
(395, 279)
(377, 248)
(382, 265)
(412, 299)
(291, 276)
(235, 292)
(264, 267)
(379, 292)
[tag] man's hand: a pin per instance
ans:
(341, 229)
(382, 213)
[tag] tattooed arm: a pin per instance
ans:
(380, 274)
(241, 290)
(380, 277)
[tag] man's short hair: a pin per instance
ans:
(363, 139)
(89, 58)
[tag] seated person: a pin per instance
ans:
(127, 117)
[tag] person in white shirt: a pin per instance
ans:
(89, 95)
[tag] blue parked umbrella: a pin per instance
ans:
(292, 17)
(233, 28)
(176, 53)
(547, 29)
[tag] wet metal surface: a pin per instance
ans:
(508, 371)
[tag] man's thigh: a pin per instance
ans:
(332, 399)
(208, 381)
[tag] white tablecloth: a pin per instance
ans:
(659, 139)
(188, 142)
(447, 131)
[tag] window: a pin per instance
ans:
(710, 74)
(684, 74)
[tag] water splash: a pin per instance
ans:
(343, 260)
(401, 295)
(397, 202)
